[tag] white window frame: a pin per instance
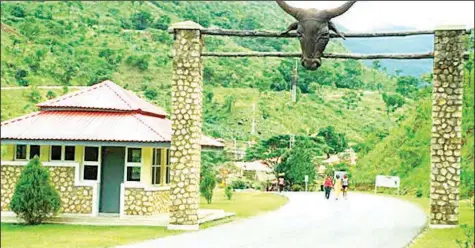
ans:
(92, 163)
(158, 166)
(133, 164)
(63, 154)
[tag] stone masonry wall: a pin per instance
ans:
(73, 199)
(185, 151)
(141, 202)
(446, 126)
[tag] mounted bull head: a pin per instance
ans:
(313, 29)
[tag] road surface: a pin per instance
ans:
(309, 220)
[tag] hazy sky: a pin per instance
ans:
(368, 15)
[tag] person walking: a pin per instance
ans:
(281, 184)
(338, 187)
(345, 186)
(328, 184)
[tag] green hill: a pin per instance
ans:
(406, 151)
(82, 43)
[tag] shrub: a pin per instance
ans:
(228, 191)
(468, 241)
(35, 95)
(140, 62)
(419, 193)
(296, 187)
(239, 184)
(50, 94)
(35, 198)
(151, 93)
(207, 185)
(17, 11)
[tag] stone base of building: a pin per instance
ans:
(439, 226)
(184, 227)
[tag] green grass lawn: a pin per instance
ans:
(65, 236)
(443, 238)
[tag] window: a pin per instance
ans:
(167, 177)
(134, 155)
(56, 153)
(91, 162)
(91, 154)
(20, 153)
(157, 167)
(69, 153)
(133, 165)
(34, 151)
(159, 176)
(62, 153)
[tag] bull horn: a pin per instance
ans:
(295, 12)
(332, 13)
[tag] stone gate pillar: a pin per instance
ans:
(185, 151)
(446, 140)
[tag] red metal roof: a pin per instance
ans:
(88, 116)
(103, 96)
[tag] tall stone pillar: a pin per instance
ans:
(446, 140)
(185, 151)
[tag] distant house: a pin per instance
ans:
(107, 151)
(256, 170)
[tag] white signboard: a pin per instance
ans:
(306, 178)
(387, 181)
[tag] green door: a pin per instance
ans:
(112, 175)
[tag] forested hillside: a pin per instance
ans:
(82, 43)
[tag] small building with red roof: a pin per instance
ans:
(106, 148)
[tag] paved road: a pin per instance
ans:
(309, 220)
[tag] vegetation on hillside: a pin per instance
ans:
(405, 152)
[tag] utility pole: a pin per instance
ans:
(294, 82)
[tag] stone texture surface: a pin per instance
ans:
(185, 151)
(148, 203)
(446, 126)
(73, 199)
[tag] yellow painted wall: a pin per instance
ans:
(8, 152)
(44, 153)
(78, 154)
(146, 171)
(163, 170)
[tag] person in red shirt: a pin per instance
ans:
(328, 184)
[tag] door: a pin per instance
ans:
(112, 175)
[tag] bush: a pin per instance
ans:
(228, 191)
(151, 93)
(207, 186)
(419, 193)
(239, 184)
(50, 94)
(140, 62)
(35, 198)
(467, 242)
(297, 187)
(35, 95)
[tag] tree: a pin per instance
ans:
(163, 22)
(207, 185)
(407, 85)
(298, 163)
(351, 99)
(35, 95)
(229, 103)
(151, 93)
(35, 198)
(141, 20)
(336, 142)
(50, 94)
(393, 102)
